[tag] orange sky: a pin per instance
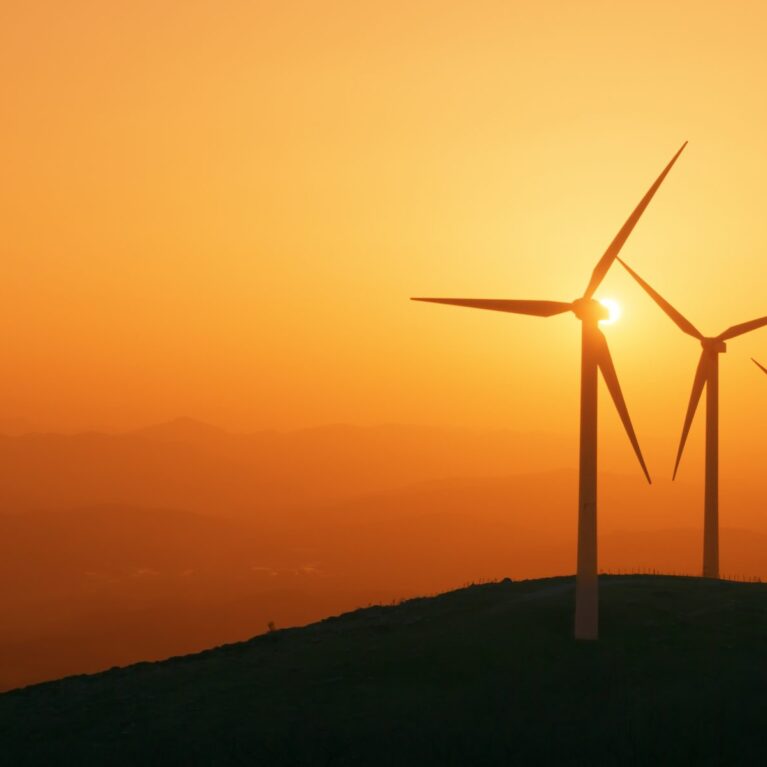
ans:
(219, 209)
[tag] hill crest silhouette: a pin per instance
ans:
(474, 676)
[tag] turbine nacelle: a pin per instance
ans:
(714, 345)
(589, 310)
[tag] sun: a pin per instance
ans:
(613, 307)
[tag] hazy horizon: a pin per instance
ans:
(178, 536)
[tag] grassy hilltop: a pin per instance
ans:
(486, 675)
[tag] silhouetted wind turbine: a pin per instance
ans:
(762, 367)
(706, 375)
(594, 354)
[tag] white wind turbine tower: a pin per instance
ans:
(595, 355)
(707, 375)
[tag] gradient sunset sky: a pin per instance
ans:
(220, 209)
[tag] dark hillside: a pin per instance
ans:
(487, 675)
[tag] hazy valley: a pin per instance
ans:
(118, 548)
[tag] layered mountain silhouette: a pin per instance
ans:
(190, 465)
(119, 548)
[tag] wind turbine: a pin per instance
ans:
(706, 375)
(758, 365)
(594, 355)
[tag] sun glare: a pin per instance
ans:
(613, 307)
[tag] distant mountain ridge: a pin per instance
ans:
(191, 465)
(114, 584)
(182, 429)
(177, 536)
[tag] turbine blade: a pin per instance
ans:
(536, 308)
(682, 322)
(744, 327)
(611, 379)
(760, 366)
(701, 376)
(615, 246)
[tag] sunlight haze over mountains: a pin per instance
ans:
(224, 213)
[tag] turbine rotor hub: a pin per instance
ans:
(714, 345)
(589, 310)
